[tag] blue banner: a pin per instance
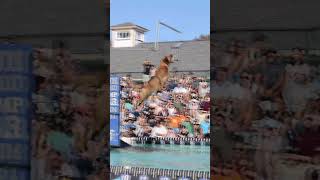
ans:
(115, 111)
(16, 87)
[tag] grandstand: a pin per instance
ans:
(285, 24)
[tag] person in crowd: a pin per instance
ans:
(266, 104)
(179, 103)
(65, 118)
(188, 126)
(146, 71)
(308, 139)
(193, 107)
(153, 70)
(203, 89)
(205, 127)
(297, 73)
(159, 130)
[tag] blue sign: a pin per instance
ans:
(16, 87)
(114, 111)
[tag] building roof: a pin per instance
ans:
(287, 23)
(128, 25)
(265, 14)
(46, 17)
(192, 55)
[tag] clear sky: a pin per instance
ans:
(189, 16)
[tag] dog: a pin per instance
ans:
(158, 81)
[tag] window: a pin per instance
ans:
(123, 35)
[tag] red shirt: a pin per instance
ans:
(310, 140)
(205, 105)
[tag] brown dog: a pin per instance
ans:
(157, 82)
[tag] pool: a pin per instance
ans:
(168, 156)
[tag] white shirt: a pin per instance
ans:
(69, 170)
(78, 99)
(159, 130)
(292, 70)
(171, 111)
(239, 92)
(222, 90)
(180, 90)
(153, 72)
(203, 91)
(194, 105)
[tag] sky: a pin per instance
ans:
(190, 17)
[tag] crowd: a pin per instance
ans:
(267, 103)
(181, 109)
(68, 126)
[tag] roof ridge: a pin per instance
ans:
(128, 24)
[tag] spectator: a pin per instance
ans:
(265, 103)
(189, 127)
(159, 130)
(171, 109)
(180, 89)
(205, 127)
(65, 118)
(308, 138)
(203, 89)
(193, 107)
(146, 72)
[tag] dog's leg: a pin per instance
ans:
(164, 85)
(160, 88)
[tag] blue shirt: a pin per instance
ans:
(205, 126)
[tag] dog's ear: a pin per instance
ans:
(168, 59)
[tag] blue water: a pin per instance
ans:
(178, 157)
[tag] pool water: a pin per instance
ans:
(177, 157)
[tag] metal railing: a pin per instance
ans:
(177, 140)
(157, 172)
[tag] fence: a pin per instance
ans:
(127, 173)
(178, 141)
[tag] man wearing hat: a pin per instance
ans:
(269, 144)
(146, 71)
(193, 107)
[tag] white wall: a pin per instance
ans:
(131, 42)
(136, 39)
(121, 42)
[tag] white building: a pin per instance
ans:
(127, 35)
